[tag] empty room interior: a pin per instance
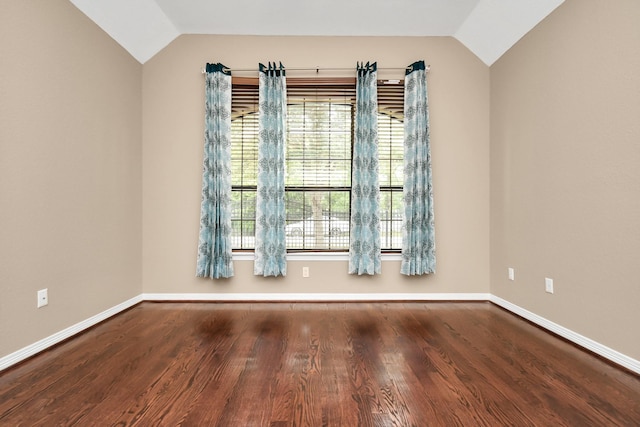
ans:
(534, 127)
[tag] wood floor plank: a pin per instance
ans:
(317, 364)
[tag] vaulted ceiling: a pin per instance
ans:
(486, 27)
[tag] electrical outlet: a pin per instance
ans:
(512, 274)
(305, 271)
(43, 297)
(548, 285)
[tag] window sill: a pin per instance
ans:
(316, 256)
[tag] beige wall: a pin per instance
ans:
(70, 170)
(565, 171)
(173, 120)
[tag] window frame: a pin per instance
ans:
(391, 104)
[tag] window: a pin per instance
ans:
(318, 162)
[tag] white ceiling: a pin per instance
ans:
(486, 27)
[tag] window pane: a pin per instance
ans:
(391, 219)
(243, 214)
(318, 145)
(390, 150)
(317, 220)
(244, 150)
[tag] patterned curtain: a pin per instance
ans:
(418, 236)
(364, 246)
(214, 247)
(270, 245)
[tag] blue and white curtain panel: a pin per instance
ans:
(418, 234)
(270, 244)
(214, 246)
(364, 245)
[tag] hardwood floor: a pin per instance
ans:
(317, 364)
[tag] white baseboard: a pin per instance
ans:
(587, 343)
(316, 297)
(582, 341)
(51, 340)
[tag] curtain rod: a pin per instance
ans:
(318, 69)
